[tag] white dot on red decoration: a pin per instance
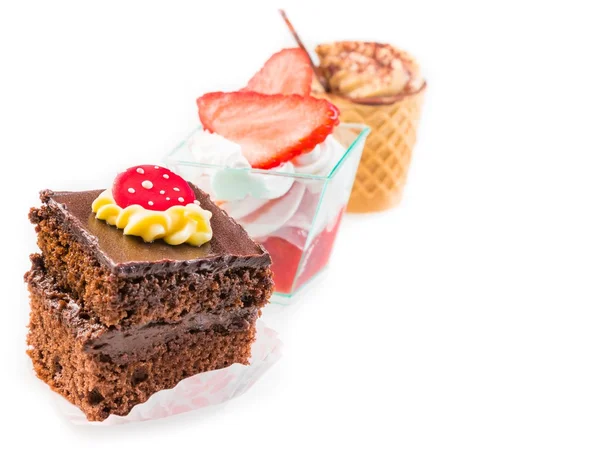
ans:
(165, 176)
(147, 184)
(131, 190)
(162, 191)
(150, 203)
(156, 166)
(176, 189)
(180, 199)
(140, 171)
(196, 201)
(168, 198)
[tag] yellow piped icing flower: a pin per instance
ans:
(176, 225)
(181, 222)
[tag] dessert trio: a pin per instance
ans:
(164, 274)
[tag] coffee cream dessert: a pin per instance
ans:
(368, 71)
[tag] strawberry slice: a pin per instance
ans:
(152, 187)
(287, 72)
(271, 129)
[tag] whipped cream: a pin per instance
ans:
(230, 185)
(321, 160)
(267, 202)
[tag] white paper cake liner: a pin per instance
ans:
(198, 391)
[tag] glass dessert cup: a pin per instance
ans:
(294, 216)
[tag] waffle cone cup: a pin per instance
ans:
(381, 175)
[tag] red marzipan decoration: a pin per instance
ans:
(152, 187)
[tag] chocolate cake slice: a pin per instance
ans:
(115, 319)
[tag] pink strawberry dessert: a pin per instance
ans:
(267, 155)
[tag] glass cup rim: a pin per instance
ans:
(364, 131)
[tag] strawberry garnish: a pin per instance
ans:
(152, 187)
(271, 129)
(287, 72)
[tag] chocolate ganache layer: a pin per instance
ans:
(130, 256)
(132, 343)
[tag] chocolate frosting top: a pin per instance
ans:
(130, 256)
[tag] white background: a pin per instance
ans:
(461, 328)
